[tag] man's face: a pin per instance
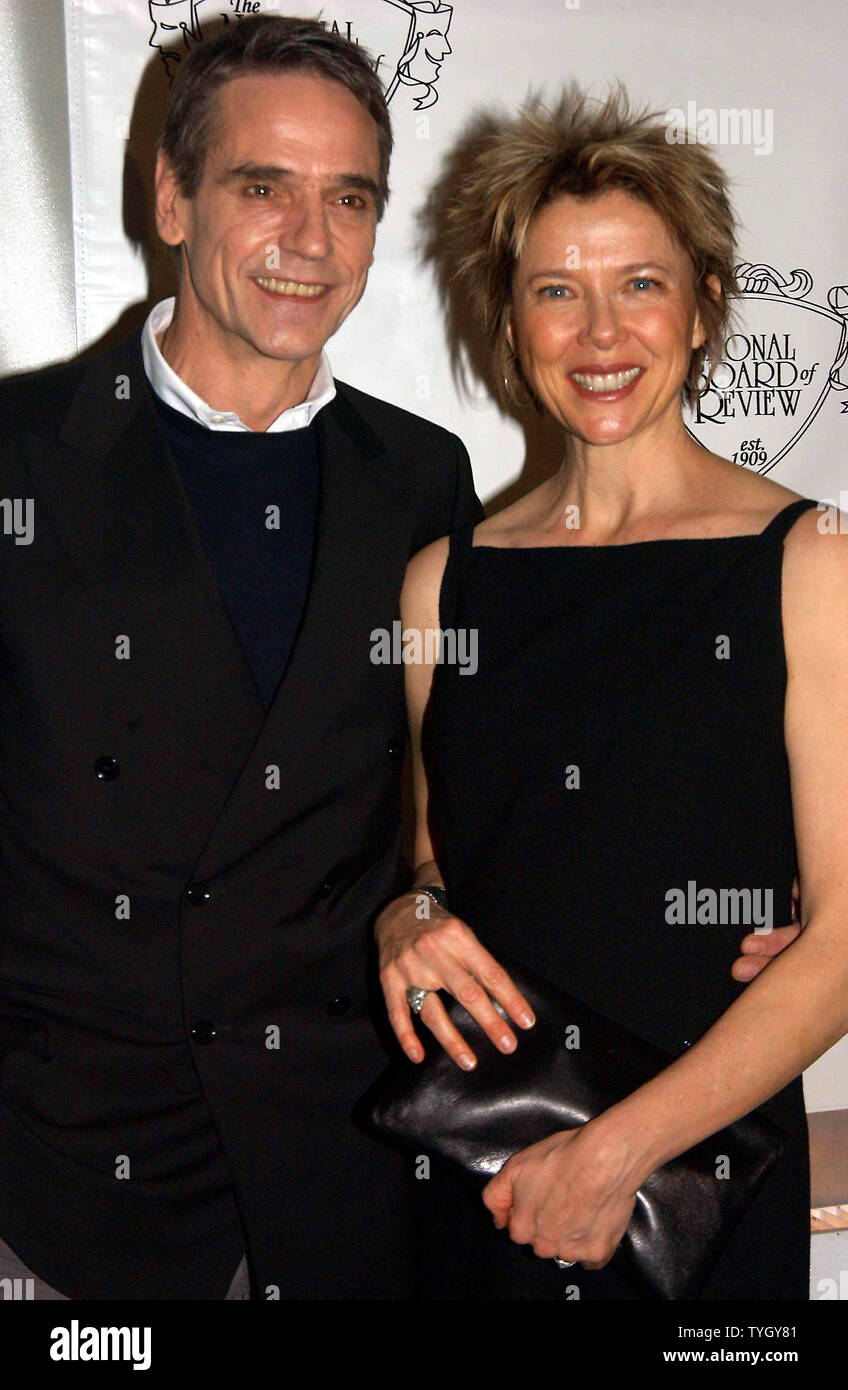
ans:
(278, 240)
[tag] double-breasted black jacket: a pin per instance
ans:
(186, 1010)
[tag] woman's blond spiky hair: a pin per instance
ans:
(584, 147)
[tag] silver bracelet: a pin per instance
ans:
(436, 892)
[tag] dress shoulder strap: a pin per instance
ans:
(785, 519)
(456, 568)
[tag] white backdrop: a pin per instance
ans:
(770, 76)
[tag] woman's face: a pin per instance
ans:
(603, 316)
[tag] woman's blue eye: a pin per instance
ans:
(554, 291)
(644, 280)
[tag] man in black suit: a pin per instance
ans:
(199, 759)
(200, 762)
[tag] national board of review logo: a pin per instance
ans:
(779, 367)
(416, 45)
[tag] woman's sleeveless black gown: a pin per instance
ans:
(622, 737)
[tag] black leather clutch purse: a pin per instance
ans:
(475, 1121)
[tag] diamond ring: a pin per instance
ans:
(416, 997)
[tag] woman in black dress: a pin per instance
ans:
(657, 726)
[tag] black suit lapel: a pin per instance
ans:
(114, 496)
(328, 644)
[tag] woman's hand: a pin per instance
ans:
(758, 948)
(440, 952)
(570, 1196)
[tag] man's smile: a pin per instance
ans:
(300, 288)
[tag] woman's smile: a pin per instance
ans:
(611, 383)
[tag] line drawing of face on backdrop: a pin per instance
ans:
(427, 45)
(173, 20)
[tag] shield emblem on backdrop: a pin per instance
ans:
(780, 363)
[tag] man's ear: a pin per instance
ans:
(699, 333)
(169, 202)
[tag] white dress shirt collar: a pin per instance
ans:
(174, 392)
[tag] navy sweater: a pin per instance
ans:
(254, 498)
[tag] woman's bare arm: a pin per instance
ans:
(419, 943)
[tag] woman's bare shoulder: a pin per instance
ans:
(734, 501)
(818, 542)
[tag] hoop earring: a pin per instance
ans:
(515, 387)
